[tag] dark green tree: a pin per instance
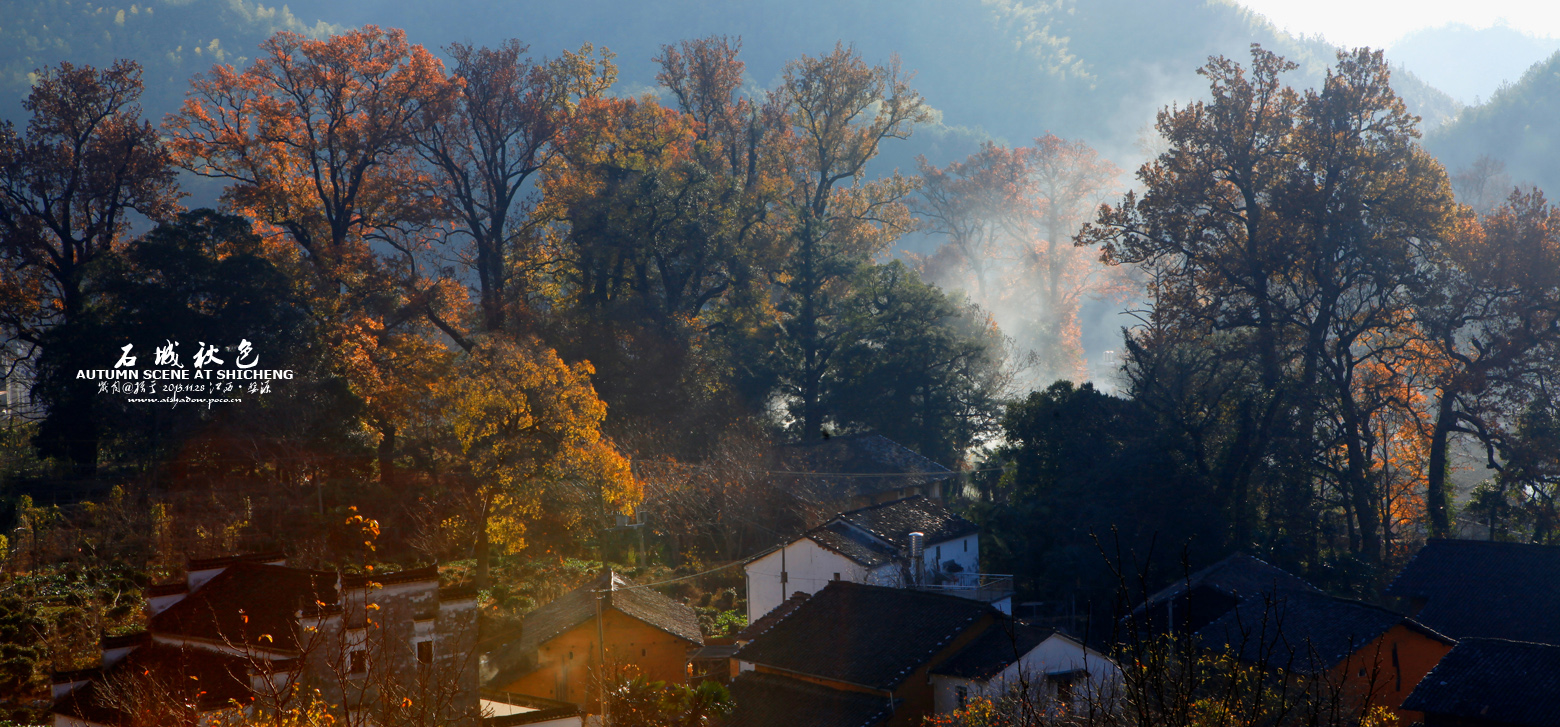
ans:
(919, 366)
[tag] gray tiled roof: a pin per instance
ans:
(1493, 682)
(1303, 632)
(1484, 589)
(1238, 575)
(770, 700)
(851, 543)
(994, 650)
(579, 606)
(894, 521)
(866, 635)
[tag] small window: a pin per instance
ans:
(836, 576)
(966, 545)
(963, 694)
(425, 652)
(358, 661)
(939, 552)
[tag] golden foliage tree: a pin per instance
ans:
(528, 427)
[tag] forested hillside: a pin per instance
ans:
(1516, 128)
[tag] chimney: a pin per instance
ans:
(917, 550)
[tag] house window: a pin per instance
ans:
(939, 553)
(966, 545)
(357, 651)
(836, 576)
(963, 693)
(425, 652)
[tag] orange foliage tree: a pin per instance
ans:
(499, 133)
(315, 139)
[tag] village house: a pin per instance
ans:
(248, 631)
(859, 655)
(1371, 654)
(1491, 683)
(1476, 588)
(878, 545)
(1269, 617)
(609, 619)
(1047, 663)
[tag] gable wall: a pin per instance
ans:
(567, 662)
(809, 567)
(1384, 684)
(1055, 654)
(916, 690)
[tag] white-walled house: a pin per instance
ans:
(872, 546)
(1055, 666)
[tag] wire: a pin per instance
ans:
(816, 474)
(674, 580)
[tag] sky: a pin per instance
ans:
(1378, 23)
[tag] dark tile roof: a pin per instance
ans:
(768, 620)
(271, 558)
(770, 700)
(1303, 632)
(852, 543)
(865, 635)
(1239, 575)
(845, 467)
(1493, 682)
(247, 602)
(579, 606)
(991, 652)
(1483, 589)
(894, 521)
(193, 676)
(409, 575)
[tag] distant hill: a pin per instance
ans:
(172, 40)
(1519, 125)
(1005, 69)
(1469, 64)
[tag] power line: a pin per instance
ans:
(674, 580)
(945, 473)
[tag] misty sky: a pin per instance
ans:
(1377, 23)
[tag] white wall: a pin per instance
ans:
(809, 566)
(1054, 655)
(965, 551)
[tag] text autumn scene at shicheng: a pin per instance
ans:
(939, 363)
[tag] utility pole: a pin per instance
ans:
(601, 656)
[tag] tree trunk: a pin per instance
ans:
(483, 551)
(387, 455)
(1435, 481)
